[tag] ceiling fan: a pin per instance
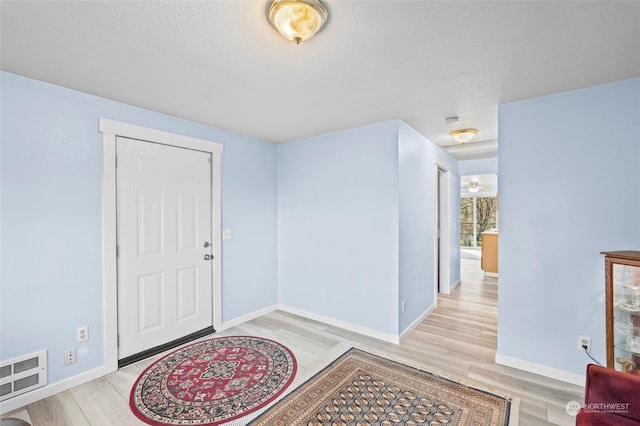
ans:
(475, 186)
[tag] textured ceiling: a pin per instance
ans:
(220, 62)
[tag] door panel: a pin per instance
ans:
(187, 293)
(150, 302)
(150, 216)
(163, 221)
(187, 220)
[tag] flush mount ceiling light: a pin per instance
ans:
(463, 135)
(297, 20)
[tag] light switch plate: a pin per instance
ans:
(227, 234)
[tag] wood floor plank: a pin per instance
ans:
(58, 410)
(548, 390)
(21, 414)
(558, 415)
(123, 380)
(103, 405)
(533, 412)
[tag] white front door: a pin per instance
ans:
(164, 241)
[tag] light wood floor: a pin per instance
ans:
(458, 339)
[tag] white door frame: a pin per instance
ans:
(110, 130)
(444, 213)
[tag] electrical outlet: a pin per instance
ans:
(82, 334)
(584, 341)
(70, 357)
(404, 303)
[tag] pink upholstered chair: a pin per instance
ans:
(611, 398)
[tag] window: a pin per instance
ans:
(477, 214)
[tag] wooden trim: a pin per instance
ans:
(632, 255)
(608, 301)
(625, 257)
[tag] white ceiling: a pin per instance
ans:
(221, 63)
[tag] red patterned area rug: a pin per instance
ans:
(213, 382)
(366, 390)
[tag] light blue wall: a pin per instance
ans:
(418, 192)
(483, 166)
(338, 225)
(569, 174)
(337, 230)
(51, 224)
(356, 222)
(250, 210)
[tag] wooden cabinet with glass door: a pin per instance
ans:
(622, 298)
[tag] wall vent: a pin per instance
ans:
(22, 374)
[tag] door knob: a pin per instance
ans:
(207, 244)
(208, 256)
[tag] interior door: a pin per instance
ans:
(164, 240)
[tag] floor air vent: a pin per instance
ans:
(23, 374)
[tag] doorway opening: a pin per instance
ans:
(443, 231)
(478, 212)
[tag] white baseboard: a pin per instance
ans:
(248, 317)
(418, 320)
(456, 284)
(370, 332)
(52, 389)
(531, 367)
(491, 274)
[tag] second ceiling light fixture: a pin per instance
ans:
(463, 135)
